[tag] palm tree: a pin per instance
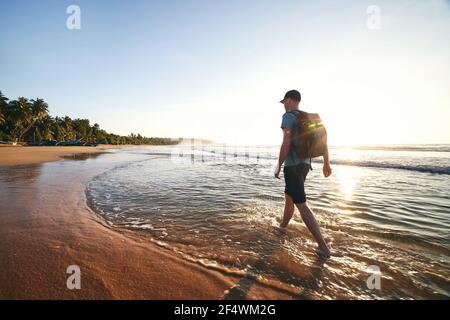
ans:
(36, 134)
(68, 128)
(40, 108)
(3, 105)
(58, 129)
(18, 112)
(82, 128)
(45, 128)
(34, 111)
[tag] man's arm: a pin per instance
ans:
(284, 150)
(326, 164)
(326, 158)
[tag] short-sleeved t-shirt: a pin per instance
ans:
(290, 121)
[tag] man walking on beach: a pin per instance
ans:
(295, 171)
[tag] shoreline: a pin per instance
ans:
(46, 225)
(21, 155)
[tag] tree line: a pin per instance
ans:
(28, 121)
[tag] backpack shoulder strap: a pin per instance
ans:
(298, 113)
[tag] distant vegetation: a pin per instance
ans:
(28, 121)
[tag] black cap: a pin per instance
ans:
(293, 94)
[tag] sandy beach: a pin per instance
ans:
(17, 155)
(46, 226)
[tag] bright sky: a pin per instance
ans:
(216, 69)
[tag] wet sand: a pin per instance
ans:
(46, 226)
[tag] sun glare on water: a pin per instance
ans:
(348, 176)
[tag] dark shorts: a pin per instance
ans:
(294, 177)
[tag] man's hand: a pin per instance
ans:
(277, 171)
(327, 169)
(284, 150)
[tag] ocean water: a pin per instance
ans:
(385, 210)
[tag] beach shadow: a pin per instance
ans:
(309, 284)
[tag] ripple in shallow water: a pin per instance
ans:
(228, 215)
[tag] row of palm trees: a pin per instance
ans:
(28, 121)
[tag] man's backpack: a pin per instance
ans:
(311, 135)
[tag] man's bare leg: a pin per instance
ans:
(288, 211)
(313, 227)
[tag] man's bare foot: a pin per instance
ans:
(324, 252)
(280, 229)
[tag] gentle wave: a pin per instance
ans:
(418, 168)
(415, 148)
(435, 169)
